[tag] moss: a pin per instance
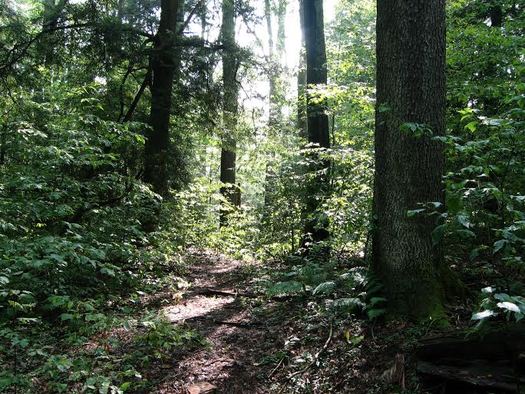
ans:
(420, 301)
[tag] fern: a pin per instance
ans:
(284, 288)
(325, 288)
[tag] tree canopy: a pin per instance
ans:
(314, 186)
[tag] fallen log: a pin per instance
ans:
(492, 361)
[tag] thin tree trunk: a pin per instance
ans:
(230, 190)
(3, 144)
(163, 70)
(52, 12)
(409, 168)
(316, 228)
(276, 56)
(281, 30)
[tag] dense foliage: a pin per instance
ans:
(83, 239)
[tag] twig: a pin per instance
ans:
(121, 89)
(227, 293)
(316, 357)
(224, 293)
(190, 16)
(276, 368)
(236, 324)
(22, 48)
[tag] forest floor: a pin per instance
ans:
(257, 344)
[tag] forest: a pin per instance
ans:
(262, 196)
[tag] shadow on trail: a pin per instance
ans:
(241, 343)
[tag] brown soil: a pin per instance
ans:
(261, 345)
(238, 341)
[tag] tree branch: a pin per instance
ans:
(13, 57)
(133, 106)
(190, 16)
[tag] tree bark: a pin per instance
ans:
(273, 74)
(276, 56)
(163, 66)
(301, 79)
(316, 228)
(52, 13)
(409, 168)
(230, 191)
(496, 16)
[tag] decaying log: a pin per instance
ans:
(489, 361)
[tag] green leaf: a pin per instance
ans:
(499, 245)
(375, 313)
(509, 306)
(324, 288)
(438, 233)
(415, 212)
(487, 290)
(288, 287)
(464, 221)
(66, 316)
(348, 303)
(471, 126)
(483, 315)
(502, 297)
(107, 271)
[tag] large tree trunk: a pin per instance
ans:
(316, 228)
(163, 66)
(230, 190)
(301, 79)
(409, 168)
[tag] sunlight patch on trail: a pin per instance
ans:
(197, 306)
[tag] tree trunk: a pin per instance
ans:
(316, 228)
(301, 79)
(496, 16)
(409, 168)
(163, 70)
(276, 57)
(282, 6)
(273, 71)
(52, 13)
(230, 190)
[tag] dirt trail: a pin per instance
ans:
(238, 340)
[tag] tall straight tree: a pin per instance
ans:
(276, 49)
(163, 66)
(52, 12)
(316, 228)
(276, 89)
(409, 162)
(229, 191)
(301, 78)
